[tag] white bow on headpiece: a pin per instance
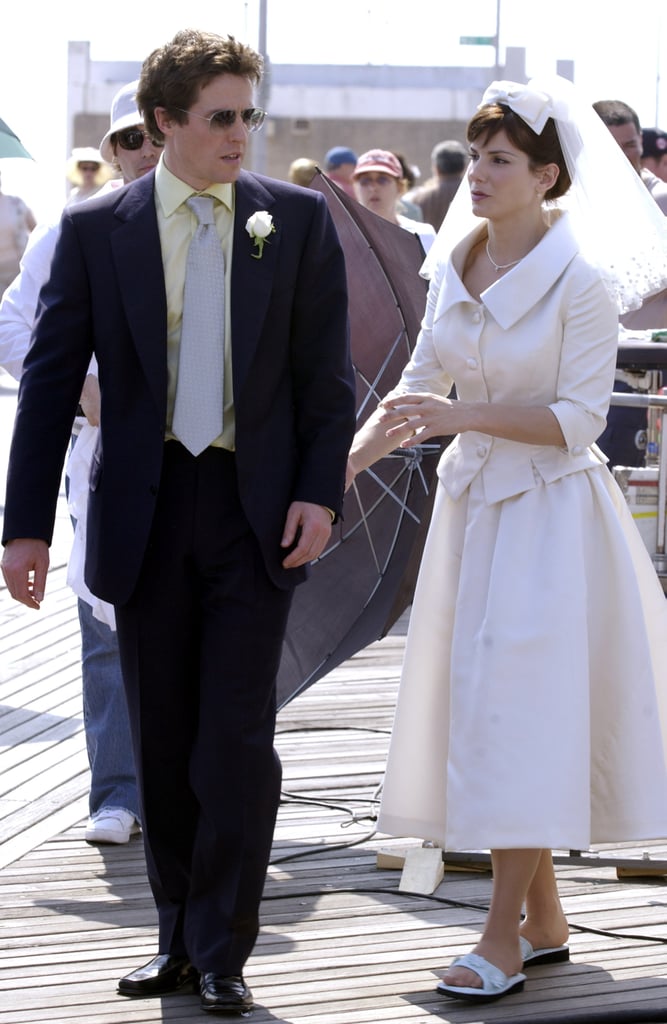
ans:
(626, 240)
(531, 104)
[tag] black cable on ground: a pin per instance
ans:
(329, 848)
(332, 728)
(458, 904)
(311, 801)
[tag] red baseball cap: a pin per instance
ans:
(380, 160)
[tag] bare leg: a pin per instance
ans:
(545, 924)
(513, 874)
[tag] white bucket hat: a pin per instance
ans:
(124, 114)
(87, 155)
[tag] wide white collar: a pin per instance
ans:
(510, 297)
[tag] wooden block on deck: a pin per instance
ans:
(423, 870)
(392, 858)
(641, 871)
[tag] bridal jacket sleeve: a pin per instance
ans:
(544, 334)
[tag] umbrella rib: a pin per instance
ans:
(381, 568)
(366, 513)
(372, 385)
(414, 465)
(364, 522)
(414, 460)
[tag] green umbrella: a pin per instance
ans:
(10, 144)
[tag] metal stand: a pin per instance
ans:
(653, 403)
(626, 867)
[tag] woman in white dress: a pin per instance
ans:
(533, 704)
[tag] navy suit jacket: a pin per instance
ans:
(292, 374)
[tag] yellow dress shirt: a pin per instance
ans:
(177, 225)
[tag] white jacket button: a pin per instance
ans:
(481, 450)
(471, 363)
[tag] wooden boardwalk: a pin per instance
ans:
(340, 943)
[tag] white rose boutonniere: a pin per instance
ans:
(259, 227)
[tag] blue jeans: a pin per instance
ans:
(105, 718)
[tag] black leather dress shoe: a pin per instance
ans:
(220, 994)
(164, 974)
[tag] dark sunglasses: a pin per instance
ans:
(133, 138)
(253, 118)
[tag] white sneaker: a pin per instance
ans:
(111, 825)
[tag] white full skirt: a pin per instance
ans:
(532, 710)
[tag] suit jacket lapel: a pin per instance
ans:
(252, 278)
(138, 259)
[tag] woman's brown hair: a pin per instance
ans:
(540, 149)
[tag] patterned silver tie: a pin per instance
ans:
(199, 389)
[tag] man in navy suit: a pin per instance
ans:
(199, 553)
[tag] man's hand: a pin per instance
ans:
(312, 524)
(24, 565)
(90, 399)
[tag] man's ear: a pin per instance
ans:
(163, 120)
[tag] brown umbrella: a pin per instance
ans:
(10, 144)
(365, 578)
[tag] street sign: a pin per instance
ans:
(477, 40)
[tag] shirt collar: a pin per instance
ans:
(172, 192)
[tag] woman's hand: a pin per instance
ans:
(401, 422)
(375, 440)
(420, 415)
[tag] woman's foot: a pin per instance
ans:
(490, 981)
(545, 934)
(506, 957)
(533, 957)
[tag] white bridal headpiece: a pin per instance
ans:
(618, 225)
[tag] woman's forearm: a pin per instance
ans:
(434, 416)
(371, 442)
(528, 424)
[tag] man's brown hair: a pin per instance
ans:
(172, 75)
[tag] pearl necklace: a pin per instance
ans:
(501, 266)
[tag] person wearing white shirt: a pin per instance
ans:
(113, 798)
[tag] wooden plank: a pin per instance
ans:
(340, 944)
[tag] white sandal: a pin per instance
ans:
(495, 983)
(549, 955)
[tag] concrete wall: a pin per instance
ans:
(314, 107)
